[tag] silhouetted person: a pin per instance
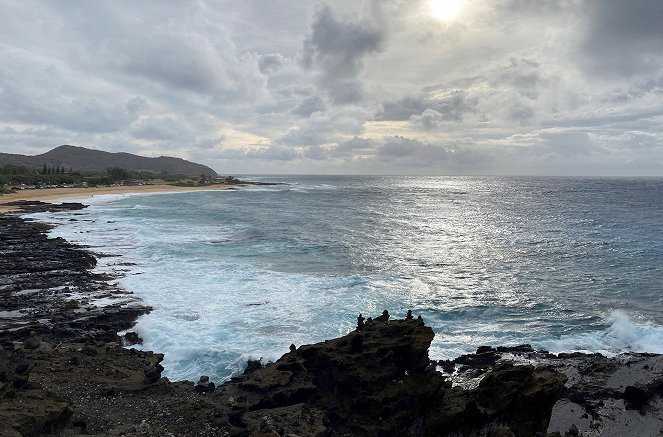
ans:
(360, 322)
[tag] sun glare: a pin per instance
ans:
(446, 10)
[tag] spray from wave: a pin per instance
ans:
(623, 335)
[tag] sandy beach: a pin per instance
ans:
(62, 194)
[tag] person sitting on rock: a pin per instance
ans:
(384, 317)
(360, 322)
(409, 315)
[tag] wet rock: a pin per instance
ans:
(131, 338)
(252, 366)
(485, 356)
(50, 268)
(33, 206)
(520, 349)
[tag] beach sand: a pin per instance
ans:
(62, 194)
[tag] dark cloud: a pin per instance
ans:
(567, 145)
(353, 145)
(302, 137)
(510, 8)
(308, 106)
(413, 153)
(137, 105)
(79, 114)
(336, 48)
(192, 62)
(277, 153)
(622, 37)
(157, 128)
(427, 110)
(315, 152)
(270, 63)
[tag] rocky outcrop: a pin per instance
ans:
(32, 206)
(46, 286)
(378, 380)
(25, 408)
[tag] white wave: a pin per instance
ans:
(623, 335)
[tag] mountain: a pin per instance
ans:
(82, 159)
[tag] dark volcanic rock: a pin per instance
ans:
(42, 281)
(388, 387)
(131, 338)
(31, 206)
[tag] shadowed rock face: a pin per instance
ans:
(369, 381)
(378, 381)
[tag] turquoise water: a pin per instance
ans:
(564, 264)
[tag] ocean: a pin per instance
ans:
(564, 264)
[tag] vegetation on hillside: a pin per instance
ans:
(22, 177)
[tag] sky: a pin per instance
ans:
(430, 87)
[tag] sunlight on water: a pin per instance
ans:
(245, 273)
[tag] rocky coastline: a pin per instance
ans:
(65, 371)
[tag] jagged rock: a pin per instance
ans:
(379, 381)
(204, 385)
(33, 206)
(153, 371)
(131, 338)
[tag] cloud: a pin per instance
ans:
(157, 128)
(428, 110)
(356, 144)
(377, 86)
(270, 63)
(567, 145)
(412, 153)
(274, 152)
(622, 38)
(302, 137)
(336, 49)
(308, 106)
(326, 127)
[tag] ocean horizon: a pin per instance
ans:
(561, 263)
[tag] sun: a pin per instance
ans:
(446, 10)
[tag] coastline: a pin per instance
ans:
(66, 371)
(60, 194)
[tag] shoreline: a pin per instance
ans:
(70, 372)
(60, 194)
